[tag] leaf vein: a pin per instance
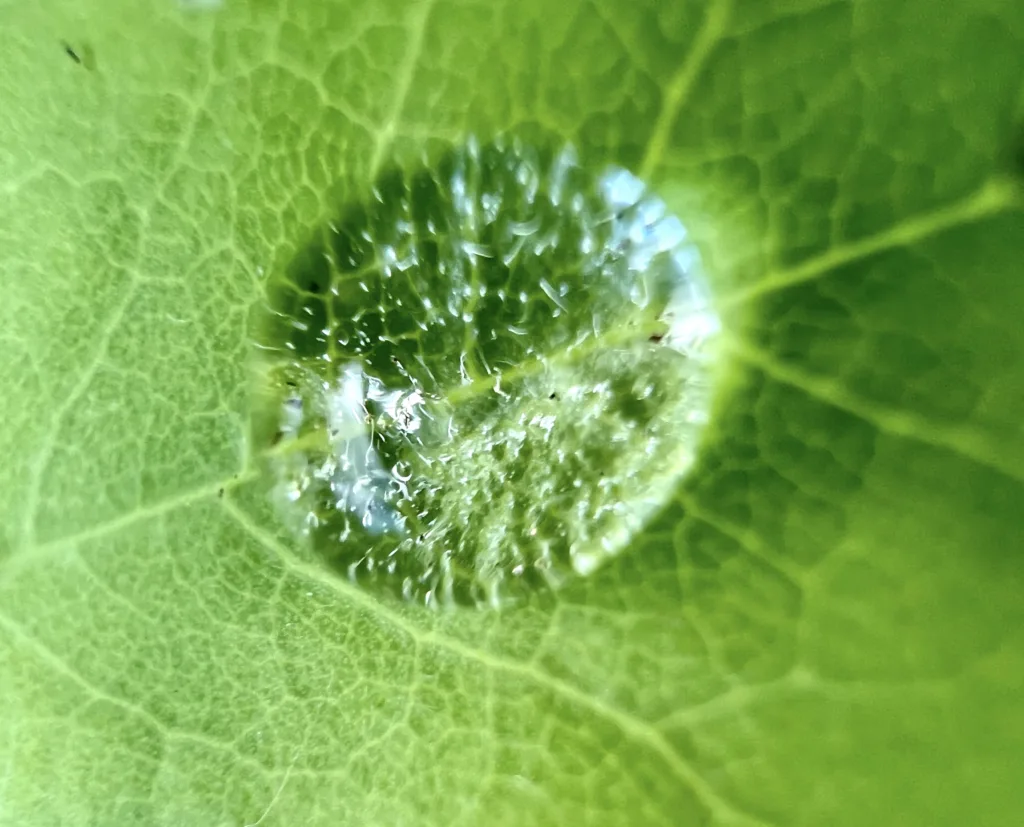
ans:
(102, 529)
(634, 728)
(45, 452)
(992, 198)
(902, 423)
(58, 664)
(406, 74)
(681, 85)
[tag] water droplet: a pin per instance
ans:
(509, 384)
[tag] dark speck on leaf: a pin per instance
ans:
(220, 493)
(552, 395)
(655, 337)
(276, 438)
(83, 55)
(314, 287)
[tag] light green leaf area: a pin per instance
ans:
(823, 627)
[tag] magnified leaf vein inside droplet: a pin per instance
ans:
(485, 375)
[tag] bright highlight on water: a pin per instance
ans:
(487, 375)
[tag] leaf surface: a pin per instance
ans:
(822, 627)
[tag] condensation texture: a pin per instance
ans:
(486, 374)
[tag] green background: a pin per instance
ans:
(824, 627)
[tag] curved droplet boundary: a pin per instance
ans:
(486, 376)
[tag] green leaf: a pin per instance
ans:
(823, 624)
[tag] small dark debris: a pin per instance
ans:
(83, 55)
(276, 438)
(314, 287)
(552, 395)
(655, 337)
(220, 493)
